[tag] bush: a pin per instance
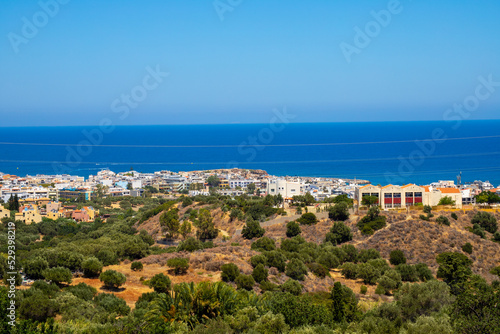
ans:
(179, 264)
(467, 248)
(391, 280)
(268, 286)
(380, 264)
(372, 221)
(339, 233)
(351, 253)
(368, 254)
(229, 272)
(495, 271)
(58, 275)
(82, 291)
(318, 270)
(408, 272)
(92, 267)
(496, 236)
(296, 269)
(423, 272)
(34, 268)
(292, 244)
(367, 273)
(245, 282)
(454, 215)
(454, 268)
(427, 209)
(264, 244)
(380, 290)
(112, 304)
(136, 266)
(190, 245)
(308, 219)
(328, 260)
(112, 279)
(292, 286)
(292, 229)
(443, 220)
(478, 230)
(260, 273)
(258, 259)
(363, 290)
(160, 283)
(339, 212)
(397, 257)
(276, 259)
(252, 229)
(486, 220)
(349, 270)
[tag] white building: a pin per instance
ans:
(286, 189)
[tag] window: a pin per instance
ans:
(375, 194)
(397, 195)
(388, 195)
(409, 194)
(418, 194)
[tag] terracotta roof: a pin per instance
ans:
(407, 185)
(368, 185)
(387, 186)
(449, 190)
(426, 188)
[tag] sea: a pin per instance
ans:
(380, 152)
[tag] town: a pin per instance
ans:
(57, 196)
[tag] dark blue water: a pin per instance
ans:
(394, 162)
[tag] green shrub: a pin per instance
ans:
(292, 286)
(160, 283)
(264, 244)
(339, 212)
(82, 291)
(268, 286)
(339, 233)
(112, 279)
(252, 229)
(136, 266)
(318, 269)
(34, 268)
(380, 264)
(427, 209)
(443, 220)
(454, 215)
(397, 257)
(367, 273)
(486, 220)
(92, 267)
(112, 304)
(368, 254)
(408, 272)
(179, 264)
(190, 245)
(423, 272)
(229, 272)
(292, 229)
(245, 282)
(260, 273)
(495, 271)
(478, 230)
(467, 248)
(258, 259)
(391, 280)
(296, 269)
(363, 290)
(351, 253)
(380, 290)
(58, 275)
(275, 259)
(328, 260)
(292, 244)
(308, 219)
(349, 270)
(372, 221)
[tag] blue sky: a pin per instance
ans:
(264, 54)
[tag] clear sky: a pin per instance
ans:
(234, 61)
